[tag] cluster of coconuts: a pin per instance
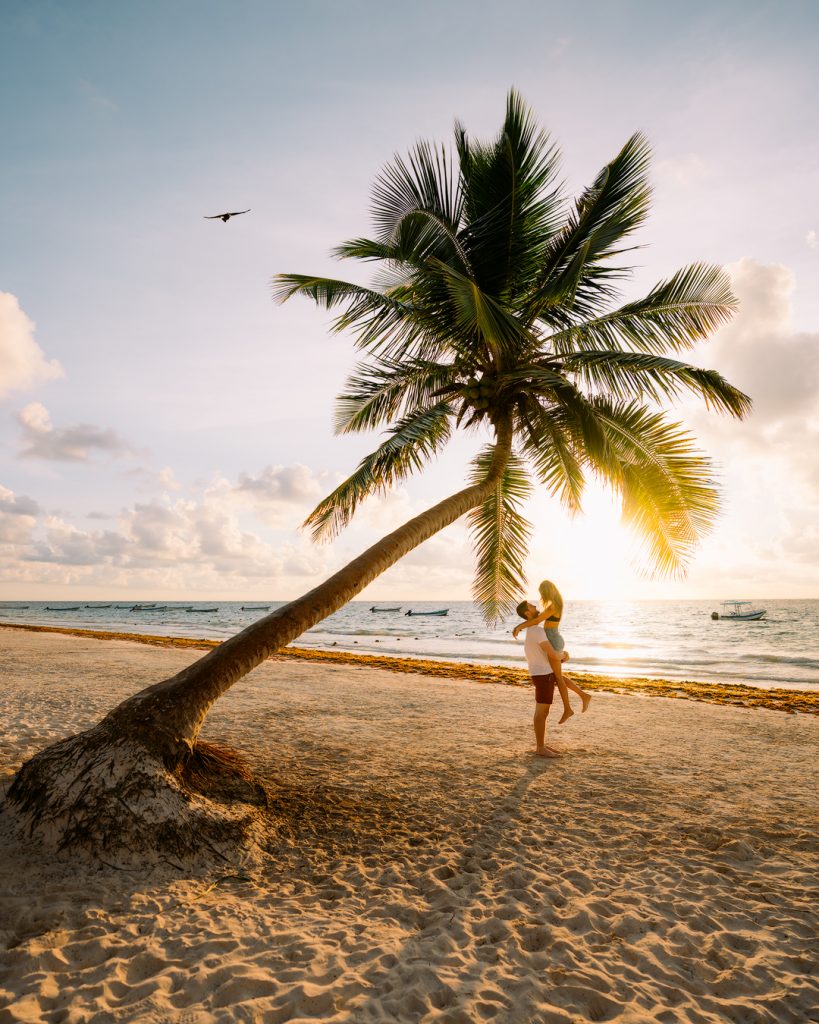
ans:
(479, 392)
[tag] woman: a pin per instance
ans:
(549, 618)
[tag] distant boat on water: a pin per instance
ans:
(201, 609)
(98, 606)
(66, 608)
(255, 607)
(442, 611)
(739, 611)
(149, 608)
(396, 609)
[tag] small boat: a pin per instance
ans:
(396, 609)
(15, 607)
(97, 606)
(149, 608)
(71, 608)
(443, 611)
(201, 609)
(739, 611)
(255, 607)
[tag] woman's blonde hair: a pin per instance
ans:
(549, 592)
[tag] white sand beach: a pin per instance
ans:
(424, 866)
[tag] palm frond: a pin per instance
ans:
(673, 316)
(606, 213)
(500, 535)
(424, 181)
(667, 485)
(551, 445)
(378, 391)
(513, 204)
(477, 313)
(626, 375)
(411, 443)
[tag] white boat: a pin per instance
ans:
(397, 608)
(443, 611)
(739, 611)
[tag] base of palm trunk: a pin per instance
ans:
(102, 797)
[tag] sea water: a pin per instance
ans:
(656, 639)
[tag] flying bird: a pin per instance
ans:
(226, 216)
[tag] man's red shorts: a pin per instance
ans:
(544, 688)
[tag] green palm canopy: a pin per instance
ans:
(496, 305)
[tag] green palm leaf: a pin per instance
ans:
(627, 375)
(501, 537)
(667, 485)
(674, 315)
(412, 442)
(552, 446)
(379, 391)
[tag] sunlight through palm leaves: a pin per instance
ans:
(496, 310)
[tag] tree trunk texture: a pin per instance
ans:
(140, 786)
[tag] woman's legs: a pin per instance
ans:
(556, 665)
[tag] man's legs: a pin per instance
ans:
(541, 714)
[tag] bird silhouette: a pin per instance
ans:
(226, 216)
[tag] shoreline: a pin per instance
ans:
(733, 694)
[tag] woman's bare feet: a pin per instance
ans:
(548, 752)
(567, 714)
(586, 698)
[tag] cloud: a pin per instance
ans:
(278, 495)
(811, 240)
(41, 440)
(761, 353)
(18, 515)
(294, 483)
(186, 544)
(22, 363)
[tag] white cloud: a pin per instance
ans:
(41, 440)
(279, 495)
(187, 545)
(761, 353)
(18, 515)
(22, 363)
(812, 240)
(766, 541)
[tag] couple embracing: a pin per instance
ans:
(545, 652)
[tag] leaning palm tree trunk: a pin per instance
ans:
(124, 788)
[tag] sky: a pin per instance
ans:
(165, 426)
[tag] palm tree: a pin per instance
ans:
(495, 312)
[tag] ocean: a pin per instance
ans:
(656, 639)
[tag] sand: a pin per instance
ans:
(423, 865)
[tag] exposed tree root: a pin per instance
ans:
(100, 796)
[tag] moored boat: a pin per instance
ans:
(66, 608)
(442, 611)
(255, 607)
(202, 609)
(396, 609)
(739, 611)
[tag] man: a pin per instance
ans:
(542, 660)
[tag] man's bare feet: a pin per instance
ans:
(567, 714)
(586, 698)
(547, 752)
